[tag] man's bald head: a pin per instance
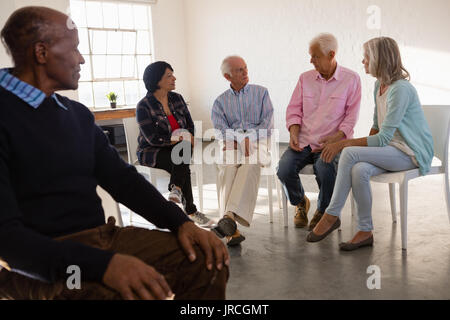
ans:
(29, 25)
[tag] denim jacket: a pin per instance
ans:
(155, 130)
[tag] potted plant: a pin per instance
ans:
(112, 97)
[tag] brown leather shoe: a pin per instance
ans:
(301, 213)
(235, 239)
(347, 246)
(312, 237)
(317, 216)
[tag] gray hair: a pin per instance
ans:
(326, 41)
(385, 62)
(225, 67)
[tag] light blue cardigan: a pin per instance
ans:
(404, 112)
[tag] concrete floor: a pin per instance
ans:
(277, 263)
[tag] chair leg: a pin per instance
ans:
(353, 208)
(285, 209)
(199, 177)
(393, 202)
(404, 212)
(152, 177)
(119, 216)
(447, 193)
(353, 204)
(218, 192)
(270, 194)
(130, 221)
(277, 184)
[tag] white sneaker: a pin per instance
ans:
(175, 195)
(201, 220)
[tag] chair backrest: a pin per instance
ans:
(131, 135)
(438, 118)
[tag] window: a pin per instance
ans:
(115, 41)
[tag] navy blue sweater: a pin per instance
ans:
(51, 161)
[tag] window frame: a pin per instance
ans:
(138, 77)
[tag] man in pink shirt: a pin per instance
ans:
(323, 109)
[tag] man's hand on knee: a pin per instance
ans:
(189, 234)
(294, 131)
(134, 279)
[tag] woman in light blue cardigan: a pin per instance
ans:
(400, 139)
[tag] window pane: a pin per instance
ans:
(100, 91)
(129, 43)
(83, 47)
(113, 66)
(86, 69)
(143, 62)
(94, 14)
(117, 87)
(99, 64)
(110, 15)
(78, 13)
(126, 16)
(98, 41)
(114, 42)
(140, 17)
(142, 89)
(131, 93)
(85, 94)
(128, 66)
(113, 53)
(143, 42)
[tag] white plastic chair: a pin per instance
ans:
(110, 206)
(131, 134)
(438, 118)
(267, 171)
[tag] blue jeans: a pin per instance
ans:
(356, 166)
(290, 165)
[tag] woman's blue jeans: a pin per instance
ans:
(356, 166)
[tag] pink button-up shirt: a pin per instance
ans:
(322, 107)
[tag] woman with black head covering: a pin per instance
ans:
(164, 121)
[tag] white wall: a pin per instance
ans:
(7, 7)
(169, 38)
(273, 37)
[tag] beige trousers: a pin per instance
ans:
(238, 181)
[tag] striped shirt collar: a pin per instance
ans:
(26, 92)
(243, 90)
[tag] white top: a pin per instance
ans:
(397, 140)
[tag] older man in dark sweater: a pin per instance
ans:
(52, 157)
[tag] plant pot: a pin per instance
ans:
(113, 105)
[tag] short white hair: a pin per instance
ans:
(225, 66)
(326, 41)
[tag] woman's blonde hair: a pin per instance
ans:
(385, 62)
